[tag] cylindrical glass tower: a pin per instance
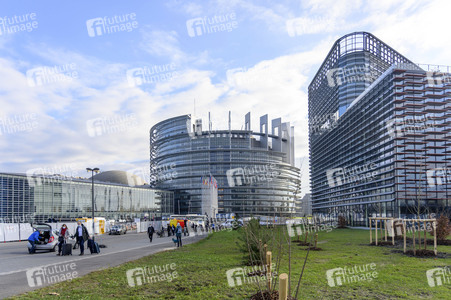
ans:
(254, 170)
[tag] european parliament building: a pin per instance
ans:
(254, 170)
(379, 131)
(39, 197)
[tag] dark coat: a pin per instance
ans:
(150, 230)
(84, 231)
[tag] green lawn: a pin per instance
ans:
(201, 272)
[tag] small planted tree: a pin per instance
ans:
(252, 240)
(443, 228)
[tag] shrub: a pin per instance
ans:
(341, 222)
(443, 228)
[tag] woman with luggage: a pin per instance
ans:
(63, 234)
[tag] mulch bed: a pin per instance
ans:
(382, 243)
(303, 244)
(314, 249)
(265, 295)
(423, 253)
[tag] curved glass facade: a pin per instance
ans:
(255, 171)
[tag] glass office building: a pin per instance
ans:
(39, 198)
(379, 131)
(255, 171)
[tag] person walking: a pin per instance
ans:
(63, 234)
(185, 227)
(33, 238)
(169, 230)
(150, 232)
(82, 235)
(173, 229)
(178, 234)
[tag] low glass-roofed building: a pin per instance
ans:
(38, 198)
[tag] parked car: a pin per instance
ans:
(48, 240)
(118, 229)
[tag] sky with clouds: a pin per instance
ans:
(68, 66)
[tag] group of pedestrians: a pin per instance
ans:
(81, 235)
(177, 231)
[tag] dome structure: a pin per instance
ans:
(119, 177)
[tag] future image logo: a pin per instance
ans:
(39, 176)
(397, 128)
(18, 123)
(239, 276)
(358, 173)
(304, 25)
(438, 176)
(438, 78)
(15, 24)
(44, 75)
(356, 73)
(323, 123)
(438, 276)
(108, 125)
(51, 274)
(144, 275)
(340, 276)
(153, 74)
(298, 227)
(109, 25)
(251, 174)
(208, 25)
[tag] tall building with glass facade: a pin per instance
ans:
(255, 171)
(38, 198)
(379, 132)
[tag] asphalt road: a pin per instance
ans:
(15, 260)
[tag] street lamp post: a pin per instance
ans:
(96, 170)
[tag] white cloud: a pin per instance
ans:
(161, 43)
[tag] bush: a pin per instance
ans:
(341, 222)
(443, 228)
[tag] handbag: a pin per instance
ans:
(61, 239)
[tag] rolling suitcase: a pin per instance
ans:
(93, 247)
(66, 249)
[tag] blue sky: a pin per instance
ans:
(263, 64)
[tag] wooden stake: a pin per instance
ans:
(404, 234)
(435, 237)
(419, 237)
(380, 223)
(425, 238)
(385, 224)
(376, 231)
(413, 236)
(393, 232)
(268, 269)
(283, 286)
(371, 233)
